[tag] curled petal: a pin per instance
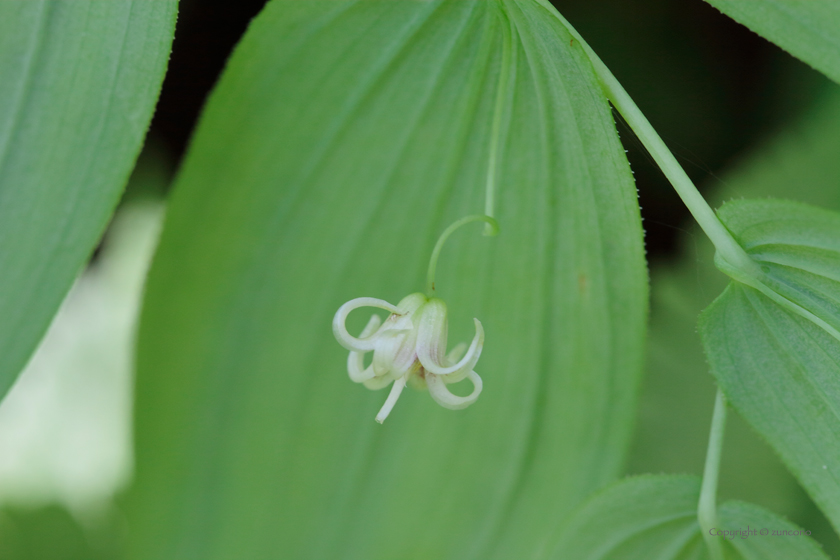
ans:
(452, 358)
(376, 383)
(412, 302)
(399, 385)
(355, 361)
(366, 343)
(388, 347)
(356, 368)
(371, 327)
(432, 329)
(428, 350)
(441, 394)
(456, 353)
(394, 352)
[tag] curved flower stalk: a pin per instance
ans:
(409, 348)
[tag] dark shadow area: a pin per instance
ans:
(206, 34)
(708, 85)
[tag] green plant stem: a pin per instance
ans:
(707, 506)
(496, 128)
(430, 276)
(730, 258)
(727, 247)
(492, 227)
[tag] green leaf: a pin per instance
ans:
(676, 399)
(654, 517)
(807, 29)
(774, 538)
(645, 517)
(798, 248)
(778, 368)
(342, 139)
(78, 83)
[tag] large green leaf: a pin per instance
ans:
(642, 518)
(808, 29)
(78, 83)
(780, 368)
(655, 518)
(342, 139)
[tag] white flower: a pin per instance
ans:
(409, 347)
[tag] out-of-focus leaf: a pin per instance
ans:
(807, 29)
(65, 425)
(78, 83)
(801, 163)
(655, 518)
(642, 518)
(342, 139)
(780, 369)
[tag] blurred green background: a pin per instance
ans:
(744, 118)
